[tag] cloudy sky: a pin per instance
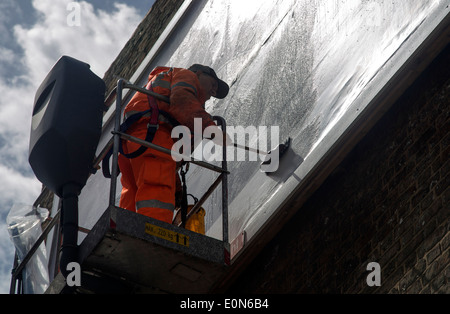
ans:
(33, 35)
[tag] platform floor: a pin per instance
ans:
(138, 254)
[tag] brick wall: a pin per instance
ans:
(387, 202)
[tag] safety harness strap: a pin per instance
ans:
(152, 127)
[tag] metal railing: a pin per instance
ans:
(16, 286)
(117, 136)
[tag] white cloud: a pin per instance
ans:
(17, 186)
(97, 41)
(6, 55)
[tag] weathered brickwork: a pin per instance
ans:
(142, 41)
(388, 202)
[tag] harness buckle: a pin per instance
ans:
(153, 126)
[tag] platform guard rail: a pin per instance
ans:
(16, 286)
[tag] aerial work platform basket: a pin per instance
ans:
(126, 252)
(143, 255)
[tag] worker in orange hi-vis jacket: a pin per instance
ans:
(149, 181)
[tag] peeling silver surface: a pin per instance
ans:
(308, 67)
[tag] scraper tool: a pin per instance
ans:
(280, 149)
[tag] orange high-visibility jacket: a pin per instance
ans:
(149, 181)
(187, 99)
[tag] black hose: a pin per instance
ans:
(69, 224)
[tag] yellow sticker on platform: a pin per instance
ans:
(166, 234)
